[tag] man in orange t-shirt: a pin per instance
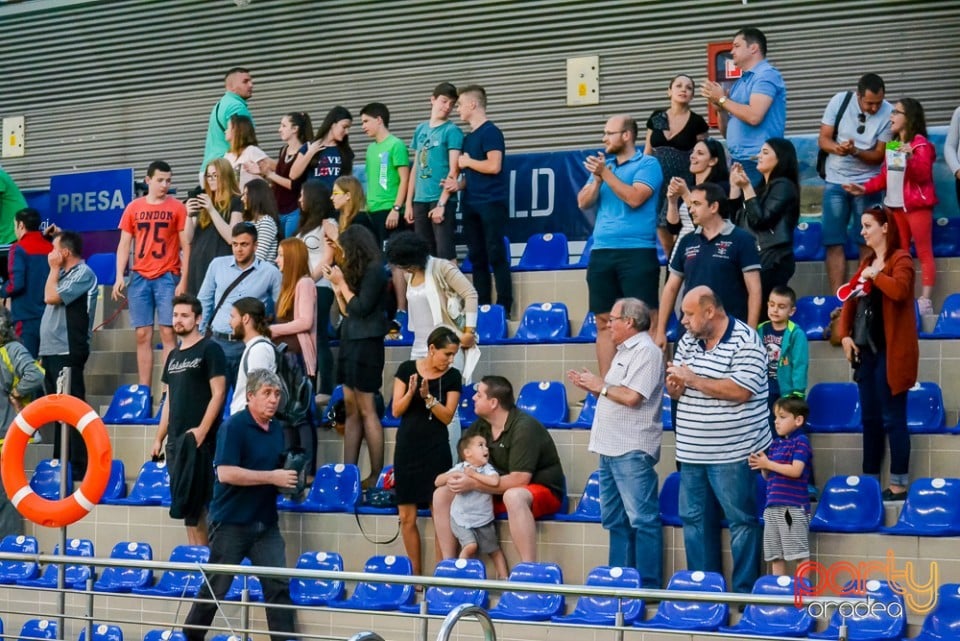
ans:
(154, 225)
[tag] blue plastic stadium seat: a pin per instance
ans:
(381, 484)
(116, 484)
(441, 599)
(673, 328)
(104, 266)
(849, 504)
(946, 237)
(124, 579)
(155, 419)
(491, 324)
(851, 248)
(925, 411)
(467, 267)
(701, 616)
(164, 635)
(152, 487)
(180, 582)
(585, 418)
(544, 252)
(229, 637)
(943, 622)
(932, 508)
(877, 624)
(252, 583)
(531, 606)
(670, 500)
(948, 322)
(76, 575)
(388, 419)
(336, 488)
(15, 571)
(380, 596)
(102, 632)
(602, 610)
(834, 407)
(584, 259)
(544, 400)
(662, 257)
(317, 591)
(466, 411)
(588, 330)
(38, 629)
(666, 412)
(588, 507)
(773, 620)
(808, 242)
(131, 405)
(543, 323)
(45, 480)
(813, 315)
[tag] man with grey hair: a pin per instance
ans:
(626, 434)
(243, 512)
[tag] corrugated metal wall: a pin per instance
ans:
(109, 84)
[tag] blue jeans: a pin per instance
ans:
(732, 486)
(630, 511)
(289, 223)
(147, 296)
(838, 208)
(264, 546)
(884, 414)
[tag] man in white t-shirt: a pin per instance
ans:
(248, 319)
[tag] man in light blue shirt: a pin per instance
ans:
(756, 108)
(230, 278)
(622, 190)
(239, 87)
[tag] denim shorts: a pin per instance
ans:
(147, 296)
(839, 208)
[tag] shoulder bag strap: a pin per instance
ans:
(843, 108)
(230, 288)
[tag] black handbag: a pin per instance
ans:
(821, 154)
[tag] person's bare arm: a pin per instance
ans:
(490, 480)
(754, 295)
(491, 165)
(241, 476)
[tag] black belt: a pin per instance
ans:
(220, 336)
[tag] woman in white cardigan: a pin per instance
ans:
(437, 294)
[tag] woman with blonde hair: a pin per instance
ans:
(349, 201)
(211, 216)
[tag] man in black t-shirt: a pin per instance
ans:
(194, 382)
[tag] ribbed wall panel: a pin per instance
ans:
(108, 84)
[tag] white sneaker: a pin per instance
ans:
(925, 306)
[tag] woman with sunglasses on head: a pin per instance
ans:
(906, 178)
(211, 217)
(329, 156)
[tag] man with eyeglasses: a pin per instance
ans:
(627, 429)
(228, 279)
(854, 132)
(622, 193)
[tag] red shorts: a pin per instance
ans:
(545, 502)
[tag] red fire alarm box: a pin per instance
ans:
(720, 68)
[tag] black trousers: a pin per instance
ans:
(76, 449)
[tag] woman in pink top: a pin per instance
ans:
(907, 177)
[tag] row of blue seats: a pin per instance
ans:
(46, 630)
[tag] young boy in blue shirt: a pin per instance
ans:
(786, 467)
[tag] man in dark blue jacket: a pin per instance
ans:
(28, 270)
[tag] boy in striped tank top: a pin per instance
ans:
(786, 467)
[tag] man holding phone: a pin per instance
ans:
(622, 191)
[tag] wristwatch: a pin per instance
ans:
(603, 390)
(722, 101)
(396, 208)
(432, 402)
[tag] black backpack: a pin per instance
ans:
(297, 390)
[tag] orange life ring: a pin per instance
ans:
(49, 409)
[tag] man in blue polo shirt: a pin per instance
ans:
(756, 108)
(717, 254)
(622, 191)
(243, 512)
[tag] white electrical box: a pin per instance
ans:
(13, 137)
(583, 81)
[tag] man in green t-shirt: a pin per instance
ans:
(239, 88)
(388, 173)
(11, 201)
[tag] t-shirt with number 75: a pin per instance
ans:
(156, 235)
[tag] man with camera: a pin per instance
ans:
(154, 225)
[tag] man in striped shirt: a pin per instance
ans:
(719, 382)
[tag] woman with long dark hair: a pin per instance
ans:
(295, 130)
(360, 286)
(211, 217)
(771, 212)
(879, 329)
(260, 208)
(329, 156)
(708, 164)
(426, 393)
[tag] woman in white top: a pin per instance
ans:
(243, 148)
(260, 208)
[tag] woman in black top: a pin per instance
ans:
(211, 216)
(360, 286)
(329, 156)
(426, 393)
(671, 135)
(771, 212)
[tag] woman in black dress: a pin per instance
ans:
(426, 393)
